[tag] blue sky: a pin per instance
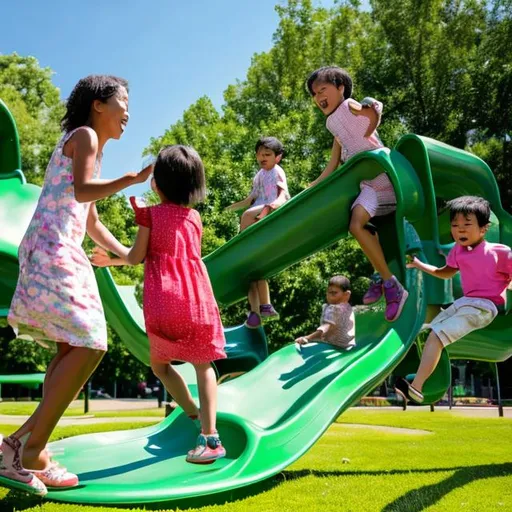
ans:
(171, 52)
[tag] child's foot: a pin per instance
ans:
(56, 476)
(267, 312)
(408, 392)
(374, 292)
(208, 449)
(12, 472)
(395, 295)
(53, 475)
(253, 320)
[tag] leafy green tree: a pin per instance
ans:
(35, 103)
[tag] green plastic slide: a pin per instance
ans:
(270, 416)
(273, 414)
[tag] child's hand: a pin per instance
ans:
(412, 262)
(142, 176)
(100, 257)
(302, 340)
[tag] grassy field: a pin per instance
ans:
(455, 464)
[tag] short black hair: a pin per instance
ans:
(85, 92)
(179, 175)
(466, 205)
(331, 75)
(342, 282)
(271, 143)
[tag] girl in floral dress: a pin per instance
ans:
(181, 315)
(56, 299)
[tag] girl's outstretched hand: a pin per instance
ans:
(302, 340)
(412, 262)
(100, 257)
(142, 176)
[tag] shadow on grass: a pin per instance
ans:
(419, 499)
(415, 500)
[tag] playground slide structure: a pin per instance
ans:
(273, 414)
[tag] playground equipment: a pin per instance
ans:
(274, 413)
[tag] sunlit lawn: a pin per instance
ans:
(463, 464)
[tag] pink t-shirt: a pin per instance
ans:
(485, 271)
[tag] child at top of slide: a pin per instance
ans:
(353, 126)
(269, 191)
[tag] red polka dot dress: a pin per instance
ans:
(181, 314)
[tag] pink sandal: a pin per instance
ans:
(12, 473)
(53, 475)
(56, 476)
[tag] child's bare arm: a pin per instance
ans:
(317, 335)
(370, 108)
(445, 272)
(333, 164)
(100, 234)
(280, 200)
(244, 203)
(83, 149)
(128, 256)
(101, 258)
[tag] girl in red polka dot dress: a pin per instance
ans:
(181, 315)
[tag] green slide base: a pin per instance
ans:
(267, 419)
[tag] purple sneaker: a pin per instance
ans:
(267, 312)
(395, 295)
(374, 292)
(253, 320)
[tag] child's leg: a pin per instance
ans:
(176, 386)
(208, 447)
(429, 360)
(263, 291)
(207, 387)
(267, 311)
(394, 292)
(68, 376)
(62, 349)
(253, 320)
(254, 296)
(369, 243)
(249, 216)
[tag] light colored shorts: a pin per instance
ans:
(465, 315)
(377, 196)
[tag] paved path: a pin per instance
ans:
(123, 405)
(66, 421)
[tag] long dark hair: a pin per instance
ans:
(88, 89)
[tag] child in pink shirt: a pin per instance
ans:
(485, 270)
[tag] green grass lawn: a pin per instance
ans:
(463, 464)
(27, 408)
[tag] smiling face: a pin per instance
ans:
(327, 96)
(466, 231)
(113, 114)
(267, 158)
(335, 295)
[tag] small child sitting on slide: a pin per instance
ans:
(269, 192)
(337, 323)
(485, 270)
